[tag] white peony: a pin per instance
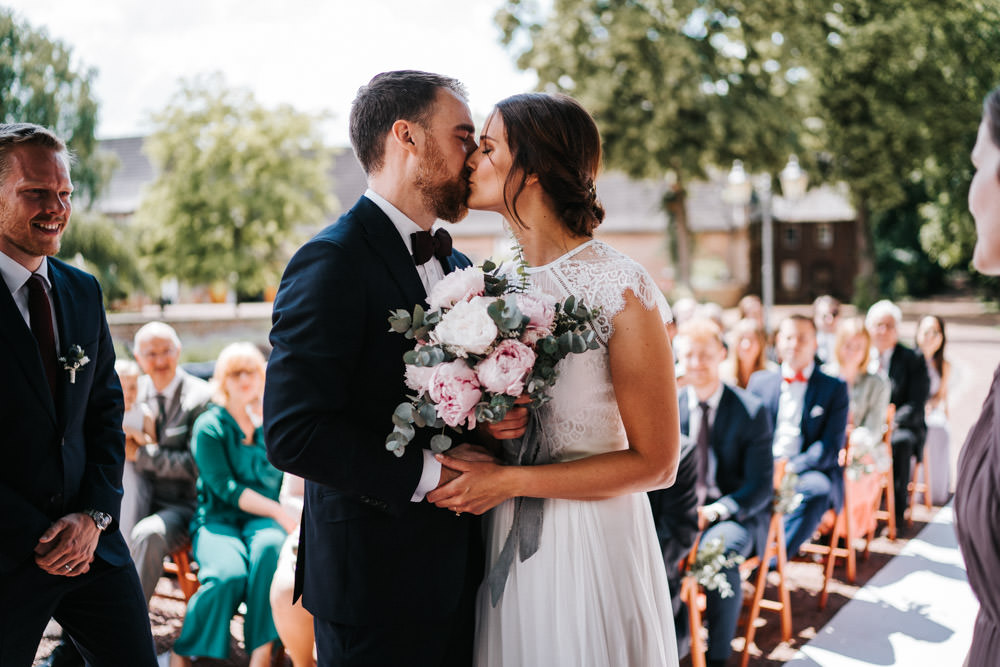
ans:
(467, 328)
(457, 286)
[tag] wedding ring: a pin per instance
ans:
(68, 568)
(458, 514)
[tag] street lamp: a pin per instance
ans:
(739, 191)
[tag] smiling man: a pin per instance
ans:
(61, 416)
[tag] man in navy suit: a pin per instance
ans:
(809, 413)
(734, 469)
(907, 373)
(388, 576)
(61, 419)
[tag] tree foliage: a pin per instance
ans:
(880, 94)
(39, 83)
(235, 181)
(96, 244)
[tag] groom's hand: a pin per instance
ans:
(466, 452)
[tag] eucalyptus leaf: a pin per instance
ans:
(410, 358)
(428, 413)
(406, 430)
(440, 443)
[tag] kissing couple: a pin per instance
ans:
(394, 551)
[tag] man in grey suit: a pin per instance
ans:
(166, 466)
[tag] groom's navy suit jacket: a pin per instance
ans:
(741, 442)
(64, 454)
(823, 425)
(367, 555)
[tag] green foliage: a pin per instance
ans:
(97, 245)
(710, 565)
(235, 181)
(39, 83)
(880, 94)
(903, 269)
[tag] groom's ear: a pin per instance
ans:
(402, 133)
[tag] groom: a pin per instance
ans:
(389, 577)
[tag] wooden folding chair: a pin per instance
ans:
(887, 494)
(774, 549)
(179, 565)
(692, 597)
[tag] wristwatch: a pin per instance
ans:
(102, 519)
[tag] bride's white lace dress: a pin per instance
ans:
(595, 593)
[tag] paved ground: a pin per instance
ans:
(974, 350)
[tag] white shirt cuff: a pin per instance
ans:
(429, 478)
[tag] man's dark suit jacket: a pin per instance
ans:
(910, 386)
(367, 553)
(824, 423)
(64, 455)
(741, 441)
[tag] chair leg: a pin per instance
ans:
(890, 505)
(689, 593)
(783, 595)
(758, 594)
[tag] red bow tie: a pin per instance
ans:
(798, 377)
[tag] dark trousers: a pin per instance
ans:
(722, 614)
(905, 444)
(801, 523)
(103, 611)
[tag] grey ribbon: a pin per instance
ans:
(526, 528)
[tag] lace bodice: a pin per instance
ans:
(583, 418)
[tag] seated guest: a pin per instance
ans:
(937, 448)
(175, 398)
(675, 514)
(808, 410)
(293, 622)
(734, 470)
(140, 429)
(868, 400)
(239, 525)
(826, 310)
(747, 353)
(907, 375)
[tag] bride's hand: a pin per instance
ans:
(480, 486)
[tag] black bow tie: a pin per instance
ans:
(427, 245)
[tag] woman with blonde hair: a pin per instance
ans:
(239, 525)
(747, 353)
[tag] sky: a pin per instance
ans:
(311, 54)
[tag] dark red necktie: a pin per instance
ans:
(701, 452)
(427, 245)
(40, 313)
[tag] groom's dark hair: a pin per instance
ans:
(388, 97)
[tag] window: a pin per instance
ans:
(790, 237)
(791, 276)
(824, 236)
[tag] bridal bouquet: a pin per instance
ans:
(483, 342)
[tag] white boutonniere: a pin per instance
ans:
(74, 360)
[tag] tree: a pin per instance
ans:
(234, 182)
(675, 86)
(39, 84)
(876, 93)
(94, 243)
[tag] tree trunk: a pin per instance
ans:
(865, 278)
(675, 203)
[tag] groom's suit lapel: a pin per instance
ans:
(66, 320)
(389, 246)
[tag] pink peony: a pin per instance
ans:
(454, 388)
(530, 337)
(540, 309)
(455, 287)
(418, 378)
(504, 371)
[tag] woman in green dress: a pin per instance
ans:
(239, 526)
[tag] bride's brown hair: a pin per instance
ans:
(554, 138)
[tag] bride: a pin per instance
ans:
(595, 590)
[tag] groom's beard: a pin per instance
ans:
(446, 198)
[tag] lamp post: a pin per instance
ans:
(739, 191)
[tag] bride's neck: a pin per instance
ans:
(545, 238)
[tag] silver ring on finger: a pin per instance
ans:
(68, 568)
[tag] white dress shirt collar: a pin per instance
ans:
(15, 275)
(399, 220)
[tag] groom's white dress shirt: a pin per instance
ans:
(430, 273)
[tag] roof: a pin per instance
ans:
(826, 203)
